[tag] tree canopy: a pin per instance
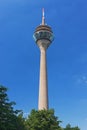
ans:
(42, 120)
(11, 119)
(68, 127)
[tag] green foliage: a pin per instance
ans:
(20, 122)
(9, 118)
(68, 127)
(42, 120)
(6, 110)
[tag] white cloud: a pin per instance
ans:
(82, 80)
(26, 114)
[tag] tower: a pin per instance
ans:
(43, 37)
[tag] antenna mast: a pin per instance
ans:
(43, 17)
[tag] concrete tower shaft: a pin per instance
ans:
(43, 36)
(43, 82)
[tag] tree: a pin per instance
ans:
(68, 127)
(6, 109)
(9, 118)
(42, 120)
(20, 122)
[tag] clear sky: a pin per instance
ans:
(66, 57)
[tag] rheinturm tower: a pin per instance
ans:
(43, 37)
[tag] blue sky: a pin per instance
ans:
(66, 57)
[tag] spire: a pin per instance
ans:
(43, 18)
